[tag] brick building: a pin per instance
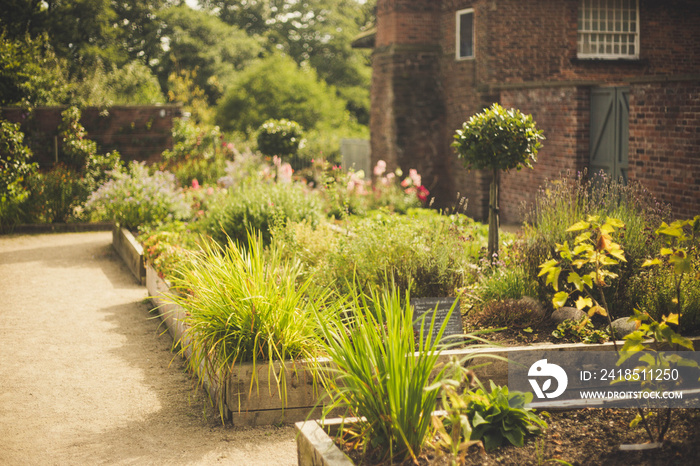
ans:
(614, 85)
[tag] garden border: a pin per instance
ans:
(243, 404)
(39, 228)
(264, 406)
(316, 448)
(130, 251)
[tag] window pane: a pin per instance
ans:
(466, 35)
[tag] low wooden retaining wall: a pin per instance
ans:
(130, 251)
(245, 402)
(251, 404)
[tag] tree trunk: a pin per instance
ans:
(493, 216)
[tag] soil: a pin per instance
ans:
(585, 437)
(87, 375)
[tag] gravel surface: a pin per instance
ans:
(87, 376)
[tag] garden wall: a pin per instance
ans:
(526, 57)
(139, 133)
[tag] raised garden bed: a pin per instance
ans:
(263, 405)
(581, 437)
(260, 406)
(130, 251)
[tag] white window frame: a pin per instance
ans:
(608, 29)
(458, 34)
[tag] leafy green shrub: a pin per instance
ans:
(511, 313)
(280, 137)
(375, 378)
(243, 304)
(56, 195)
(565, 201)
(246, 166)
(656, 291)
(302, 241)
(166, 246)
(276, 87)
(581, 331)
(198, 153)
(679, 261)
(500, 416)
(134, 198)
(501, 283)
(424, 251)
(256, 205)
(15, 168)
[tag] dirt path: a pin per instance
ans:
(86, 376)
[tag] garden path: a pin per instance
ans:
(86, 375)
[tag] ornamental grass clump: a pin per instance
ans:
(246, 304)
(376, 377)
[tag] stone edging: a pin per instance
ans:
(38, 228)
(316, 448)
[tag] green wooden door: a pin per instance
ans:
(609, 132)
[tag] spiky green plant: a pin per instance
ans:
(375, 375)
(247, 304)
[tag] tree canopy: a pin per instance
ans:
(252, 60)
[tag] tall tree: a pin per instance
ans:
(198, 41)
(314, 32)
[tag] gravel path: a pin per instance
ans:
(86, 375)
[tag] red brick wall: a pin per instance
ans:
(563, 114)
(138, 133)
(664, 144)
(526, 58)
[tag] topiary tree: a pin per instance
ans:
(280, 137)
(497, 139)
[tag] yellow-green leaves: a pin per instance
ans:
(585, 263)
(559, 299)
(583, 303)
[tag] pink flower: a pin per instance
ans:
(195, 183)
(284, 174)
(380, 168)
(210, 191)
(414, 176)
(406, 182)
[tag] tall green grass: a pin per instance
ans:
(247, 304)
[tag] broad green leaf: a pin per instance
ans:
(576, 280)
(684, 265)
(674, 230)
(666, 251)
(582, 303)
(614, 222)
(671, 318)
(583, 237)
(544, 268)
(583, 247)
(559, 299)
(579, 226)
(597, 310)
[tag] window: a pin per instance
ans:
(465, 34)
(608, 29)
